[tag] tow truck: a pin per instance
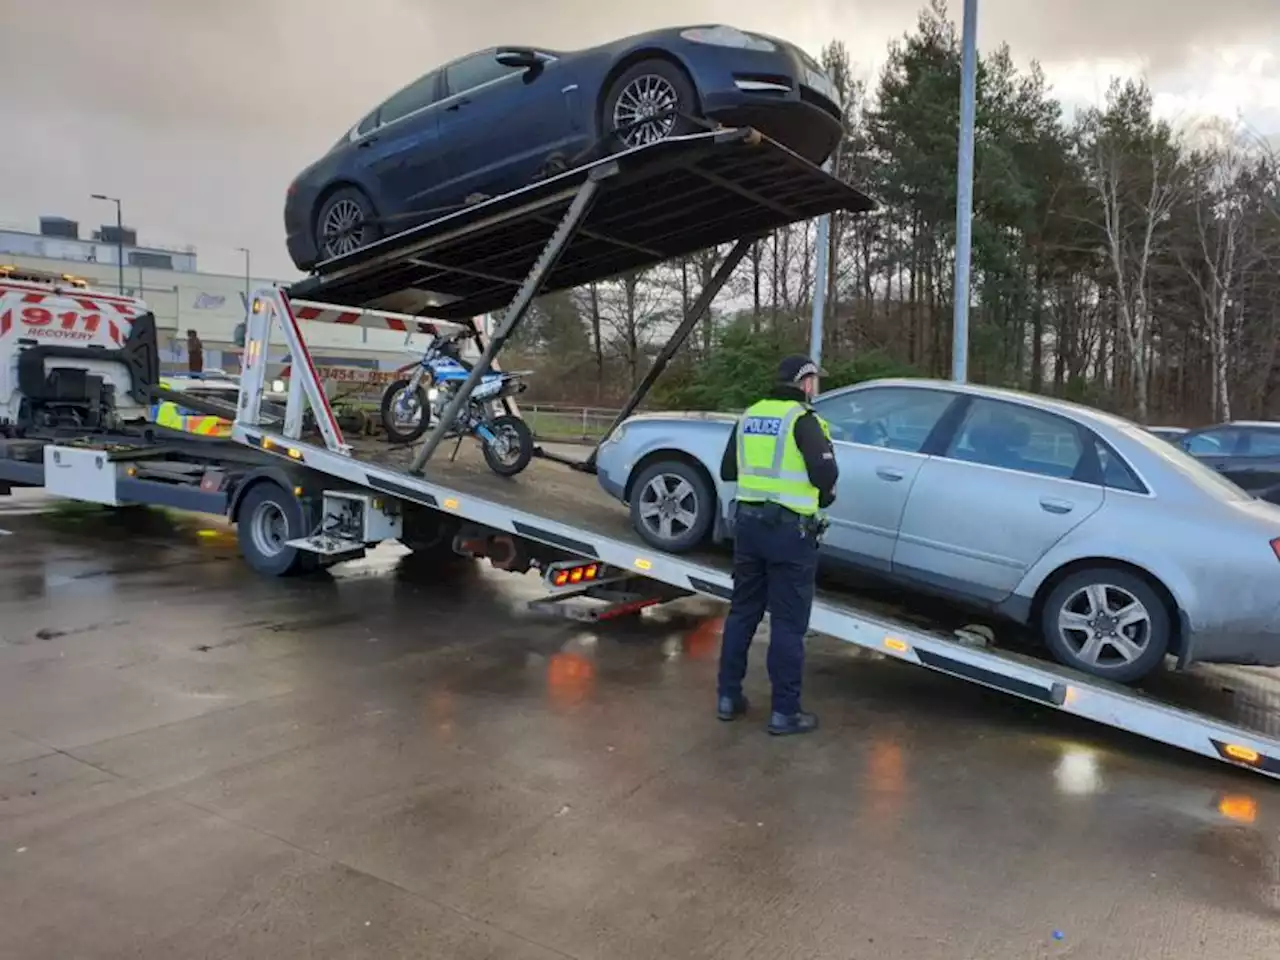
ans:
(304, 496)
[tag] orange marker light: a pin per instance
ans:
(1242, 753)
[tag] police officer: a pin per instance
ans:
(780, 455)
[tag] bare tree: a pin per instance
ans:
(1134, 170)
(632, 307)
(1221, 252)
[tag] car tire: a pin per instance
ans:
(270, 515)
(688, 487)
(345, 213)
(654, 83)
(1076, 600)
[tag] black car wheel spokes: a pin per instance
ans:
(343, 228)
(645, 111)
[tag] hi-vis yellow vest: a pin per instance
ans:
(770, 466)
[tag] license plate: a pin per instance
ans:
(819, 82)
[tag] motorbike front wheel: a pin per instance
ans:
(397, 430)
(514, 449)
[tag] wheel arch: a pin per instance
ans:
(1177, 616)
(287, 480)
(667, 453)
(629, 60)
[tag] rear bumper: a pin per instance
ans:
(299, 208)
(1250, 645)
(302, 250)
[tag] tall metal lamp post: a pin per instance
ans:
(247, 281)
(248, 294)
(964, 193)
(119, 234)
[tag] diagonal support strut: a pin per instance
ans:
(696, 312)
(516, 312)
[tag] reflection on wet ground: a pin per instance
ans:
(401, 762)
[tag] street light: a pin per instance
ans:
(964, 193)
(119, 234)
(247, 294)
(245, 251)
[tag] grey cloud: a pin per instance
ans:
(200, 112)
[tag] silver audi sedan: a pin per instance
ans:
(1113, 545)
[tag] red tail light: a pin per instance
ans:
(577, 574)
(1275, 547)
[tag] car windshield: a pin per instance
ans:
(1207, 479)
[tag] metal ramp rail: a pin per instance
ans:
(628, 212)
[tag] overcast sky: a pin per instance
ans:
(198, 113)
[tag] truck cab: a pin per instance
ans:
(72, 358)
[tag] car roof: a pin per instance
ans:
(1239, 425)
(1048, 404)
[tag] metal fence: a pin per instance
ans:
(567, 424)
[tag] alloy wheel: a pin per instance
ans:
(669, 506)
(645, 110)
(1105, 625)
(344, 228)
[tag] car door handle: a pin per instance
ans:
(1056, 506)
(458, 104)
(890, 474)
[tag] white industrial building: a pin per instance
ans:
(181, 297)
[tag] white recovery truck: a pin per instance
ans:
(79, 369)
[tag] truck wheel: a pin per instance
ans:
(430, 536)
(672, 506)
(269, 517)
(1107, 622)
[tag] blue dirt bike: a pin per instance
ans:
(411, 405)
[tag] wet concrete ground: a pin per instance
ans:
(195, 762)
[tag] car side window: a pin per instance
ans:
(1116, 474)
(367, 124)
(1211, 443)
(1262, 443)
(474, 72)
(421, 93)
(1000, 434)
(897, 418)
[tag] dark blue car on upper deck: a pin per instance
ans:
(495, 120)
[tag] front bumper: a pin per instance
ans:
(776, 92)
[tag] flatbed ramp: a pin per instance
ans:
(1228, 714)
(628, 212)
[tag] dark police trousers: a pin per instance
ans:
(775, 562)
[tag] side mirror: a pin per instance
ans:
(519, 58)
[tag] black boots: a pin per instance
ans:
(789, 724)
